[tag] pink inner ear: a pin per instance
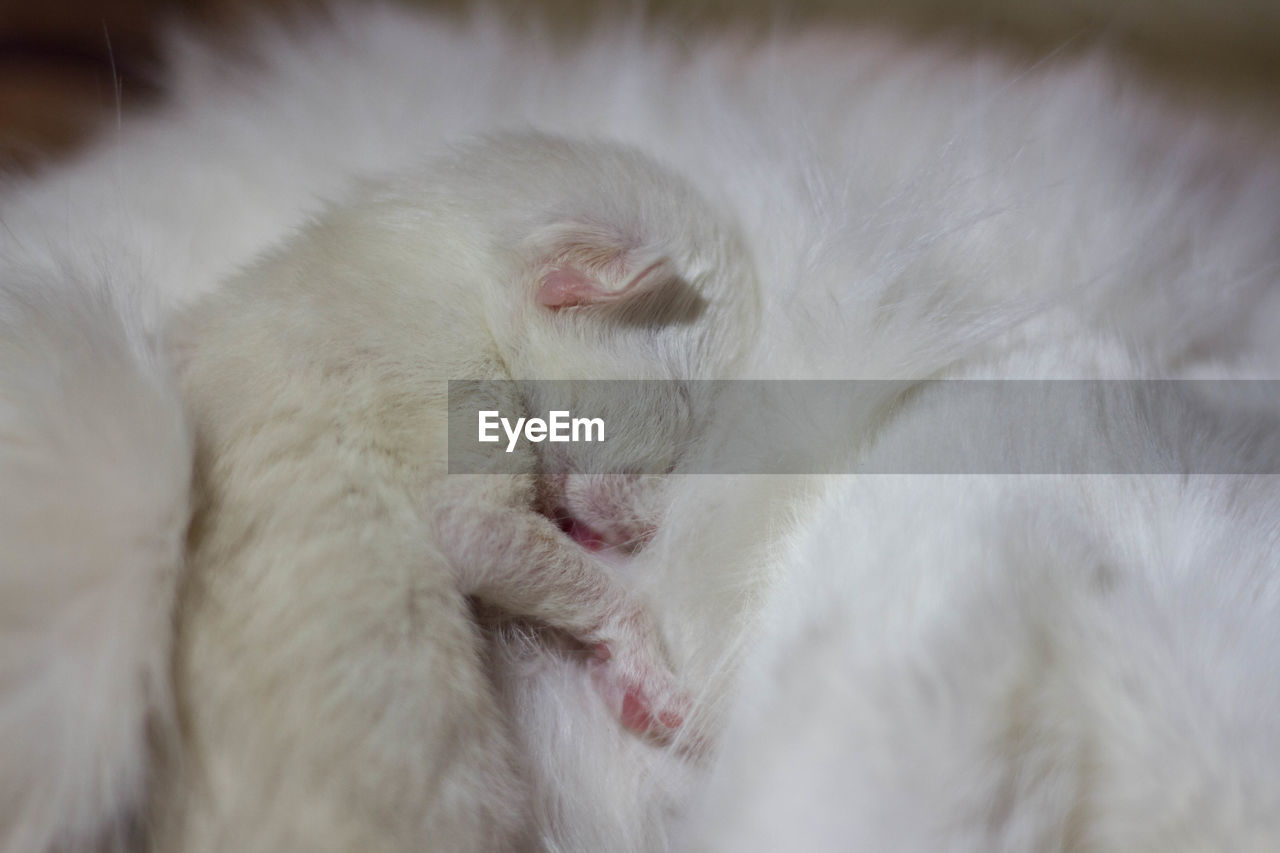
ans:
(562, 288)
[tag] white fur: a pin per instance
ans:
(1016, 662)
(910, 209)
(330, 684)
(95, 462)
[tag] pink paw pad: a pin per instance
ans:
(638, 716)
(631, 696)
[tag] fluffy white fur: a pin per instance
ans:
(984, 664)
(329, 679)
(1017, 662)
(95, 461)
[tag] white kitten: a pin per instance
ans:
(904, 205)
(331, 689)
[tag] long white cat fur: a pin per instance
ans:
(904, 206)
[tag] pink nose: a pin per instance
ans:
(592, 539)
(585, 536)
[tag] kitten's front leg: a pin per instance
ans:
(507, 555)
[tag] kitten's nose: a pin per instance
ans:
(584, 535)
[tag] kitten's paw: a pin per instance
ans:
(644, 698)
(637, 686)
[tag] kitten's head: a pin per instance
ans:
(609, 267)
(605, 264)
(542, 258)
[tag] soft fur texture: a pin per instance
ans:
(977, 664)
(1017, 662)
(355, 713)
(95, 461)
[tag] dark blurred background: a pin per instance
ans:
(67, 65)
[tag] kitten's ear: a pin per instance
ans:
(591, 266)
(567, 285)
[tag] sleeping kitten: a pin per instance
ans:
(330, 683)
(903, 200)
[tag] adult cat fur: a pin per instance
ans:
(1010, 662)
(904, 204)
